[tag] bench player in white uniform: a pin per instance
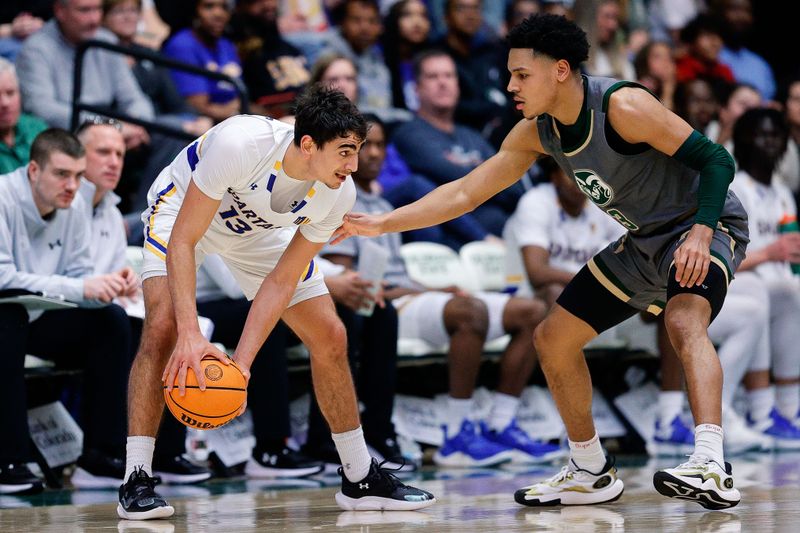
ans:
(240, 191)
(759, 142)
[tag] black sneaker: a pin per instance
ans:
(138, 499)
(327, 454)
(179, 470)
(284, 463)
(388, 452)
(98, 471)
(16, 478)
(381, 491)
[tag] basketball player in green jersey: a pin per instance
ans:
(668, 186)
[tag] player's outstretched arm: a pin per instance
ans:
(518, 152)
(273, 297)
(639, 117)
(193, 220)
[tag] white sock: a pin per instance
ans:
(458, 410)
(760, 402)
(670, 405)
(504, 409)
(787, 400)
(588, 455)
(353, 453)
(708, 442)
(139, 453)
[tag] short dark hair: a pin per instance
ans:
(425, 55)
(341, 11)
(553, 36)
(702, 23)
(326, 114)
(373, 119)
(745, 127)
(55, 140)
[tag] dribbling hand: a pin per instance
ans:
(189, 350)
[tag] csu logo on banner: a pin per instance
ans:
(594, 187)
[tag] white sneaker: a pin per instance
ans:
(738, 437)
(700, 480)
(573, 486)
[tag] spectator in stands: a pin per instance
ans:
(608, 54)
(45, 247)
(789, 168)
(748, 67)
(463, 321)
(437, 147)
(337, 71)
(360, 29)
(735, 100)
(702, 37)
(17, 129)
(220, 299)
(519, 10)
(105, 151)
(203, 45)
(274, 70)
(47, 59)
(122, 18)
(480, 63)
(554, 231)
(760, 137)
(407, 33)
(697, 103)
(655, 69)
(18, 21)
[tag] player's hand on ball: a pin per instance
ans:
(190, 348)
(693, 256)
(358, 224)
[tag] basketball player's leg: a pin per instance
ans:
(316, 324)
(145, 395)
(138, 500)
(585, 309)
(365, 486)
(688, 313)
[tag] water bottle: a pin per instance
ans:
(788, 224)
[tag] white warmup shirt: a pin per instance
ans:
(539, 220)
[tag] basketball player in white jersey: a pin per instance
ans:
(265, 196)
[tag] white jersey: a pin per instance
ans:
(539, 220)
(240, 162)
(766, 206)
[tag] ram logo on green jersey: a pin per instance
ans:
(594, 187)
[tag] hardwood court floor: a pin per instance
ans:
(469, 501)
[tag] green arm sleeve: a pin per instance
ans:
(716, 169)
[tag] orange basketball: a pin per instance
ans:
(226, 391)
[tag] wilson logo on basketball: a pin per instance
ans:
(213, 372)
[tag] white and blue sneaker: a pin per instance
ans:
(525, 449)
(469, 449)
(784, 433)
(672, 439)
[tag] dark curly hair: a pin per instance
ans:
(553, 36)
(326, 114)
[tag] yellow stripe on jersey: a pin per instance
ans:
(605, 282)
